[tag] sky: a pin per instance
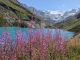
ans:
(61, 5)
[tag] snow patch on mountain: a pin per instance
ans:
(56, 12)
(56, 15)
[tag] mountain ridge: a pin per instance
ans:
(12, 10)
(55, 15)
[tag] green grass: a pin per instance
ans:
(15, 6)
(71, 25)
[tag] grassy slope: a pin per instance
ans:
(14, 6)
(75, 40)
(71, 25)
(19, 11)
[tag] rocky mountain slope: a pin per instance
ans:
(13, 13)
(69, 20)
(71, 23)
(56, 16)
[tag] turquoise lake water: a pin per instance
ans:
(12, 31)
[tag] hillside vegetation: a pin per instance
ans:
(71, 23)
(12, 10)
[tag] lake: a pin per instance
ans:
(12, 31)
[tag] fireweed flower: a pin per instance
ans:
(59, 42)
(6, 47)
(31, 24)
(20, 43)
(35, 47)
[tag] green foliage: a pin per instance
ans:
(1, 15)
(1, 20)
(71, 25)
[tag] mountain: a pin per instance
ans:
(71, 23)
(60, 16)
(68, 20)
(14, 13)
(56, 16)
(47, 15)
